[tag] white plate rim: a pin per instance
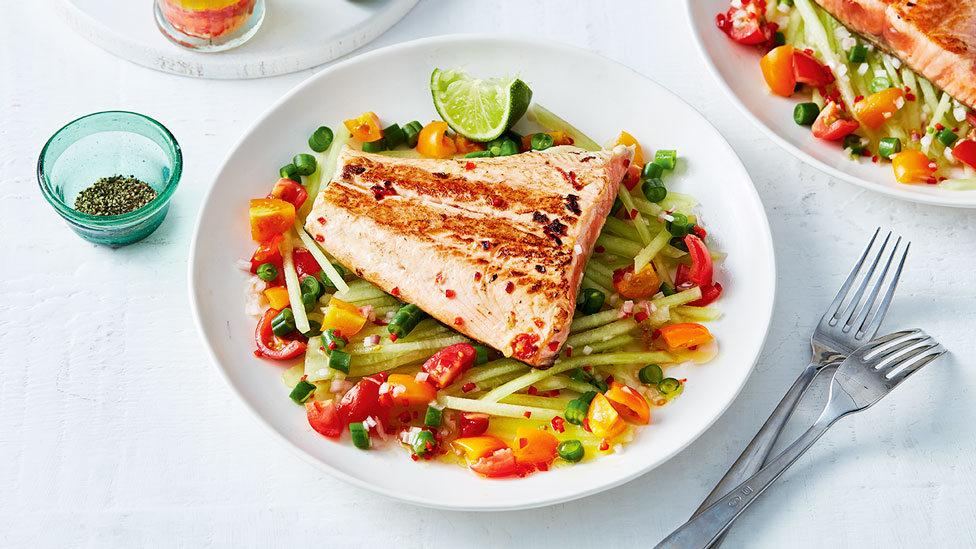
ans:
(762, 225)
(933, 199)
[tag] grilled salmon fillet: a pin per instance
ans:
(493, 247)
(936, 38)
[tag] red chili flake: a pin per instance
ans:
(586, 425)
(415, 414)
(509, 287)
(875, 159)
(319, 238)
(553, 346)
(439, 278)
(604, 446)
(258, 353)
(469, 165)
(415, 457)
(497, 202)
(809, 51)
(532, 390)
(955, 129)
(449, 294)
(459, 321)
(609, 380)
(859, 98)
(539, 323)
(321, 348)
(304, 378)
(599, 249)
(865, 152)
(321, 220)
(655, 334)
(693, 348)
(640, 316)
(683, 380)
(332, 345)
(553, 393)
(527, 414)
(587, 368)
(395, 291)
(699, 231)
(910, 96)
(569, 352)
(907, 89)
(633, 214)
(468, 387)
(404, 417)
(393, 337)
(557, 424)
(477, 277)
(939, 126)
(381, 376)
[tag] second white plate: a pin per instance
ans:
(599, 96)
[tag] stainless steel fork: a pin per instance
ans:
(867, 375)
(845, 325)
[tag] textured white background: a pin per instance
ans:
(115, 431)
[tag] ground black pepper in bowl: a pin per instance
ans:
(114, 195)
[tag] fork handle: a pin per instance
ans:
(755, 454)
(708, 525)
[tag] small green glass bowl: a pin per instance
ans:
(104, 144)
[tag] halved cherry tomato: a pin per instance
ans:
(269, 252)
(305, 263)
(277, 297)
(500, 464)
(965, 152)
(433, 141)
(558, 138)
(339, 316)
(745, 25)
(603, 419)
(465, 145)
(633, 176)
(363, 401)
(700, 272)
(636, 286)
(534, 447)
(366, 127)
(473, 424)
(289, 191)
(629, 403)
(448, 363)
(709, 294)
(777, 69)
(626, 139)
(475, 448)
(831, 124)
(272, 346)
(405, 390)
(270, 216)
(324, 418)
(875, 109)
(684, 335)
(913, 166)
(808, 70)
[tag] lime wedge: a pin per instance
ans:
(480, 110)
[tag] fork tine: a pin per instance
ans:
(891, 365)
(879, 314)
(891, 351)
(875, 344)
(918, 364)
(854, 305)
(862, 314)
(842, 293)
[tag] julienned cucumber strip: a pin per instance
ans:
(360, 349)
(490, 370)
(558, 404)
(602, 333)
(649, 252)
(546, 118)
(495, 408)
(326, 163)
(618, 246)
(638, 220)
(589, 283)
(313, 248)
(592, 321)
(818, 35)
(291, 283)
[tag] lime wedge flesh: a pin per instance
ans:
(480, 110)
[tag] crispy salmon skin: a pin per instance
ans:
(493, 247)
(936, 38)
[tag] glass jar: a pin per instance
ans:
(209, 25)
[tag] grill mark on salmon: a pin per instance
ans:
(936, 38)
(476, 231)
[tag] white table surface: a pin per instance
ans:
(116, 431)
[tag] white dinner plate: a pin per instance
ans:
(597, 95)
(736, 67)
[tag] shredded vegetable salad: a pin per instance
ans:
(373, 370)
(876, 108)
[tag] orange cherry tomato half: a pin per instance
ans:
(465, 145)
(339, 316)
(433, 141)
(500, 464)
(405, 390)
(603, 419)
(626, 139)
(777, 69)
(875, 109)
(534, 447)
(366, 127)
(269, 217)
(629, 403)
(475, 448)
(636, 286)
(913, 166)
(685, 335)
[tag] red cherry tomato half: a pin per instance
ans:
(965, 152)
(448, 363)
(305, 263)
(272, 346)
(289, 191)
(809, 70)
(363, 401)
(831, 125)
(500, 464)
(745, 26)
(324, 418)
(268, 252)
(473, 424)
